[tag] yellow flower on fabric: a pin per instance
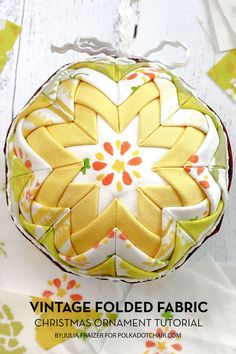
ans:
(161, 345)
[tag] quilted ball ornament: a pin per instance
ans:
(117, 170)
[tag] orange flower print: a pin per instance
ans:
(64, 287)
(167, 341)
(204, 183)
(116, 164)
(23, 157)
(28, 196)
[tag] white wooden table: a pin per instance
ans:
(55, 21)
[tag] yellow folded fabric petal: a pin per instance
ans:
(56, 183)
(138, 234)
(184, 148)
(177, 177)
(163, 196)
(88, 237)
(148, 213)
(91, 97)
(149, 120)
(50, 149)
(86, 120)
(74, 193)
(142, 96)
(85, 211)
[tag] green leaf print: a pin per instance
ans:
(168, 315)
(9, 330)
(134, 88)
(86, 166)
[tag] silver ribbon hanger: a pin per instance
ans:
(94, 47)
(126, 23)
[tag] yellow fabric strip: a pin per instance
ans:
(53, 187)
(148, 213)
(163, 137)
(149, 119)
(69, 135)
(184, 148)
(45, 215)
(141, 237)
(49, 149)
(32, 229)
(37, 102)
(40, 118)
(162, 196)
(74, 193)
(91, 97)
(62, 236)
(85, 211)
(88, 237)
(188, 190)
(62, 106)
(141, 97)
(86, 120)
(65, 96)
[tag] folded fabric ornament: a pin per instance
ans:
(116, 169)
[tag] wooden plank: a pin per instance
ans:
(12, 10)
(57, 22)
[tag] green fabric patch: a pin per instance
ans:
(113, 71)
(188, 101)
(18, 184)
(17, 167)
(47, 240)
(106, 268)
(135, 272)
(183, 243)
(183, 93)
(196, 227)
(224, 74)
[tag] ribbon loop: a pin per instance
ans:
(175, 44)
(93, 46)
(89, 45)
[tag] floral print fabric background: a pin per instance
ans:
(19, 335)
